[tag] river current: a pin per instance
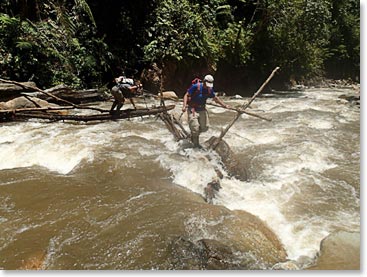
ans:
(107, 195)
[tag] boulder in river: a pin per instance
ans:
(9, 91)
(239, 241)
(233, 165)
(24, 102)
(339, 251)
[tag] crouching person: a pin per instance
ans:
(125, 88)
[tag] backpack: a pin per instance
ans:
(195, 81)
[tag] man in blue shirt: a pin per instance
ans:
(194, 103)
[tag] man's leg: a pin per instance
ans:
(120, 104)
(132, 102)
(194, 127)
(114, 104)
(203, 121)
(115, 91)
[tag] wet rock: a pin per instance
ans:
(24, 102)
(75, 96)
(236, 97)
(339, 251)
(186, 255)
(9, 91)
(169, 95)
(233, 165)
(301, 263)
(238, 240)
(353, 99)
(210, 190)
(206, 254)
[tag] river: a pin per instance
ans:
(108, 195)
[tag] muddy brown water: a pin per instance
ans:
(115, 195)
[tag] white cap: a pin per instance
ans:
(209, 80)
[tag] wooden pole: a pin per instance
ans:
(95, 117)
(241, 111)
(37, 109)
(244, 106)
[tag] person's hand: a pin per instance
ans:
(184, 108)
(227, 106)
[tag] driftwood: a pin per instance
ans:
(244, 107)
(128, 113)
(171, 123)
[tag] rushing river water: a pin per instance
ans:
(110, 195)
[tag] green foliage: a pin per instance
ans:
(178, 32)
(234, 42)
(56, 41)
(295, 36)
(187, 31)
(49, 53)
(83, 5)
(344, 47)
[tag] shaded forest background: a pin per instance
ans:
(86, 43)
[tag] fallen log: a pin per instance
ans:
(37, 109)
(26, 86)
(170, 122)
(128, 113)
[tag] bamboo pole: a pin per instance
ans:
(244, 106)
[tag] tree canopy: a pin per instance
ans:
(86, 42)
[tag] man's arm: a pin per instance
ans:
(185, 102)
(135, 88)
(118, 79)
(220, 102)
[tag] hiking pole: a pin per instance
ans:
(244, 106)
(179, 119)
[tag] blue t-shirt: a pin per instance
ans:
(198, 97)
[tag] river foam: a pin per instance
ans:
(290, 190)
(296, 186)
(36, 144)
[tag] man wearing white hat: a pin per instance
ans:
(194, 103)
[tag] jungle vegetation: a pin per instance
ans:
(85, 43)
